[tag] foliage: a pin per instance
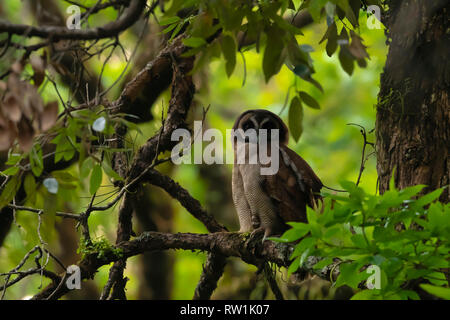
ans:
(406, 236)
(246, 25)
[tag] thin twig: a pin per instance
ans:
(363, 159)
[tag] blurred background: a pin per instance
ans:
(328, 144)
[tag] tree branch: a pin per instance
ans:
(212, 272)
(191, 204)
(111, 29)
(228, 244)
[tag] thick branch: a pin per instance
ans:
(229, 244)
(186, 200)
(111, 29)
(212, 272)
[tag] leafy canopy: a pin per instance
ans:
(270, 27)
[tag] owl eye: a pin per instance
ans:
(269, 125)
(248, 125)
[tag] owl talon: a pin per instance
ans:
(256, 233)
(264, 239)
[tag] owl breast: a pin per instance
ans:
(254, 207)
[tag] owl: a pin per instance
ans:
(266, 202)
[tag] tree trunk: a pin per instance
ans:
(412, 125)
(154, 212)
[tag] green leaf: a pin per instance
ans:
(359, 241)
(167, 21)
(323, 263)
(349, 275)
(296, 118)
(64, 148)
(62, 145)
(169, 28)
(311, 215)
(29, 185)
(310, 101)
(346, 60)
(314, 83)
(299, 57)
(229, 52)
(440, 292)
(437, 278)
(9, 191)
(294, 266)
(364, 295)
(332, 40)
(36, 160)
(302, 246)
(410, 192)
(193, 51)
(298, 225)
(428, 198)
(294, 234)
(69, 154)
(13, 159)
(303, 71)
(352, 13)
(110, 172)
(86, 167)
(194, 42)
(305, 255)
(327, 33)
(96, 179)
(437, 217)
(11, 171)
(409, 294)
(65, 179)
(273, 57)
(64, 176)
(315, 7)
(176, 31)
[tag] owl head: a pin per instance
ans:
(262, 119)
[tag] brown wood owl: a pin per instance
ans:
(269, 201)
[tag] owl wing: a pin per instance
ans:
(293, 187)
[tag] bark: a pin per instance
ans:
(412, 125)
(212, 271)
